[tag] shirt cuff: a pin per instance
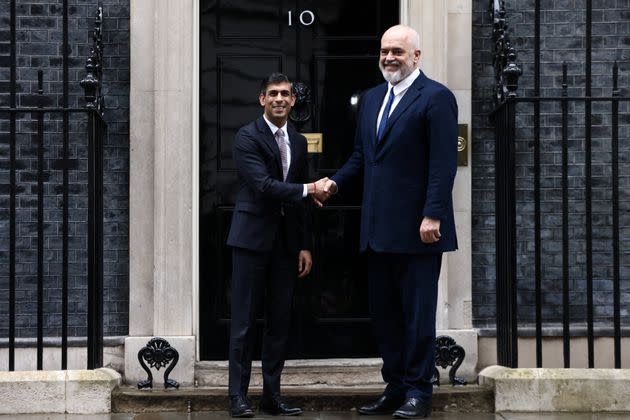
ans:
(305, 192)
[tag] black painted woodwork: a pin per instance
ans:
(242, 41)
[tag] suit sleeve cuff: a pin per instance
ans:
(333, 178)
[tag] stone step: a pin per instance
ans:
(469, 398)
(307, 372)
(330, 372)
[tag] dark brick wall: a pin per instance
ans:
(39, 37)
(562, 39)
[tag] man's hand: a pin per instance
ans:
(330, 186)
(321, 190)
(430, 230)
(305, 262)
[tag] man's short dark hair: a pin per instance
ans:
(273, 79)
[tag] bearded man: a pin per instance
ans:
(406, 150)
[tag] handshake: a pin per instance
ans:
(321, 190)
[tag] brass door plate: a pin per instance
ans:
(315, 142)
(462, 145)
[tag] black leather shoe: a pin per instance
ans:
(276, 406)
(413, 408)
(240, 407)
(384, 405)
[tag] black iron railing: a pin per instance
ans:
(91, 124)
(508, 108)
(506, 76)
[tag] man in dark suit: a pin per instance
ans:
(270, 239)
(406, 149)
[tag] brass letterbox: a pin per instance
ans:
(315, 142)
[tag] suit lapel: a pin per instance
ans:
(269, 140)
(372, 111)
(414, 91)
(294, 154)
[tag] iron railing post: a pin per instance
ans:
(91, 83)
(40, 223)
(507, 73)
(95, 241)
(615, 217)
(13, 188)
(505, 201)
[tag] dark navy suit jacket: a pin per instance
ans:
(410, 172)
(262, 193)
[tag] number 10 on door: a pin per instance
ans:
(306, 18)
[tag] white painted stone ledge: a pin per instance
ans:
(552, 390)
(57, 391)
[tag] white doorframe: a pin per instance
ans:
(195, 187)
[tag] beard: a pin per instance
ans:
(404, 70)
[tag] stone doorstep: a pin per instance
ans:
(553, 390)
(469, 398)
(69, 391)
(331, 372)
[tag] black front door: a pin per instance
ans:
(332, 47)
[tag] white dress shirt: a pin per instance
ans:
(274, 129)
(399, 91)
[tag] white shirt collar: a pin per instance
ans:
(275, 128)
(404, 84)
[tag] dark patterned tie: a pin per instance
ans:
(282, 145)
(385, 116)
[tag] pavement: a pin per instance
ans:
(320, 415)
